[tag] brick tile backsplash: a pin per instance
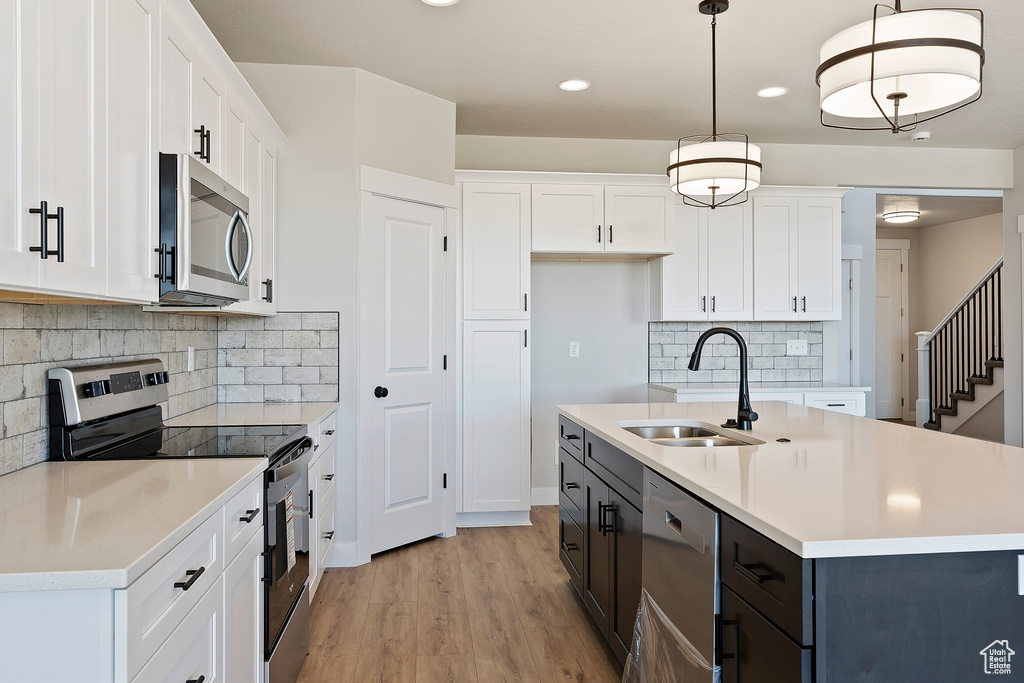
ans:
(672, 343)
(289, 358)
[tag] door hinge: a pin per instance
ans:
(901, 312)
(444, 481)
(902, 403)
(901, 267)
(446, 242)
(445, 364)
(851, 354)
(902, 360)
(851, 284)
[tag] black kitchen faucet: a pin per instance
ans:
(745, 416)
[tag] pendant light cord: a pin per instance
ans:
(714, 78)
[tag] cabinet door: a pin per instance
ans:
(132, 58)
(679, 280)
(234, 147)
(639, 219)
(178, 66)
(626, 560)
(775, 267)
(496, 416)
(268, 229)
(19, 229)
(568, 218)
(819, 258)
(496, 251)
(66, 122)
(253, 174)
(208, 104)
(754, 650)
(730, 259)
(597, 552)
(243, 615)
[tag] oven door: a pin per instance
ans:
(287, 533)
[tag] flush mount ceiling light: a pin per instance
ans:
(915, 64)
(718, 169)
(774, 91)
(574, 85)
(440, 3)
(901, 216)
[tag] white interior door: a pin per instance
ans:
(401, 375)
(888, 334)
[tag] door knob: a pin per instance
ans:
(381, 392)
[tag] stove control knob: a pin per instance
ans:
(96, 389)
(156, 378)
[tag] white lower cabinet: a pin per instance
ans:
(496, 416)
(321, 491)
(848, 402)
(243, 620)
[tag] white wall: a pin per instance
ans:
(337, 119)
(604, 307)
(1013, 207)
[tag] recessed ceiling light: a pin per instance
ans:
(901, 216)
(440, 3)
(574, 85)
(774, 91)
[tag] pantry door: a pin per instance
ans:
(402, 367)
(889, 353)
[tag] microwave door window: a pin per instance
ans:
(211, 219)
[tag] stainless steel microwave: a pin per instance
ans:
(206, 245)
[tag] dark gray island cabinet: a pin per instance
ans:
(929, 618)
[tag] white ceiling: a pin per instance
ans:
(935, 210)
(648, 60)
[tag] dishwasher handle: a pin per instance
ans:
(693, 538)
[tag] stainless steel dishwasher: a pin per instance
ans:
(681, 584)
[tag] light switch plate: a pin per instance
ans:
(574, 349)
(796, 347)
(191, 358)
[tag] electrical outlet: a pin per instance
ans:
(574, 349)
(191, 358)
(796, 347)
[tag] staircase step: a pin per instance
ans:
(946, 411)
(934, 426)
(994, 363)
(961, 396)
(980, 380)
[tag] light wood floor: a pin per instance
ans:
(491, 604)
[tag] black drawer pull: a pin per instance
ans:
(571, 485)
(747, 570)
(729, 655)
(249, 515)
(329, 432)
(196, 680)
(569, 547)
(193, 576)
(328, 477)
(329, 535)
(836, 405)
(572, 437)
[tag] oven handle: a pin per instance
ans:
(239, 217)
(293, 467)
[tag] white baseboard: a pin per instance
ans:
(513, 518)
(544, 496)
(345, 555)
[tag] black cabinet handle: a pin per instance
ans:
(328, 477)
(269, 298)
(569, 547)
(572, 437)
(747, 570)
(44, 218)
(703, 304)
(571, 485)
(193, 576)
(329, 432)
(249, 515)
(525, 300)
(208, 147)
(712, 304)
(166, 270)
(725, 623)
(611, 237)
(525, 343)
(805, 304)
(196, 680)
(609, 528)
(201, 130)
(794, 304)
(381, 392)
(599, 234)
(311, 503)
(329, 535)
(60, 234)
(836, 405)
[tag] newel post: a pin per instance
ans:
(924, 393)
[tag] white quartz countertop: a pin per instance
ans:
(102, 524)
(842, 486)
(732, 387)
(253, 414)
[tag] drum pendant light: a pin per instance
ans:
(901, 69)
(718, 169)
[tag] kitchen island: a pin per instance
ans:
(858, 550)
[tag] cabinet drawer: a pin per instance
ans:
(158, 600)
(325, 475)
(570, 548)
(194, 650)
(622, 472)
(570, 485)
(570, 437)
(769, 577)
(324, 531)
(840, 403)
(760, 652)
(243, 517)
(326, 432)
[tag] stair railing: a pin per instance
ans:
(964, 346)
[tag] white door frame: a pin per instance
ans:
(849, 344)
(375, 181)
(903, 246)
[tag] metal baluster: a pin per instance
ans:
(999, 303)
(960, 354)
(984, 313)
(933, 379)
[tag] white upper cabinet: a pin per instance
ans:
(797, 257)
(132, 203)
(266, 303)
(496, 251)
(208, 106)
(602, 218)
(568, 218)
(710, 276)
(179, 58)
(233, 166)
(639, 219)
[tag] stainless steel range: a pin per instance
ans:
(112, 411)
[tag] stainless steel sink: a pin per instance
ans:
(698, 435)
(671, 432)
